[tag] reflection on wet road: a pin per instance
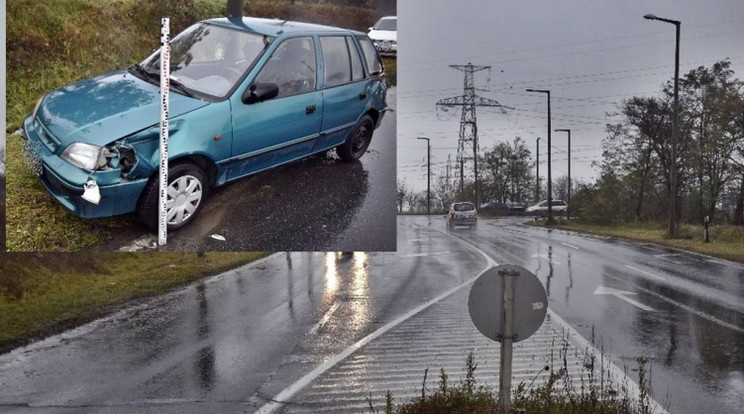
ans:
(316, 204)
(231, 342)
(328, 328)
(685, 312)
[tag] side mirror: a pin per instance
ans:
(261, 91)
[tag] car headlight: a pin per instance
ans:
(86, 156)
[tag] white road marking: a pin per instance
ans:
(581, 343)
(324, 319)
(620, 294)
(424, 254)
(545, 257)
(645, 272)
(570, 245)
(284, 396)
(277, 402)
(692, 310)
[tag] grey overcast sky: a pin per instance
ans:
(590, 54)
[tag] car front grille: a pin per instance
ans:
(46, 137)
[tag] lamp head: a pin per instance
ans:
(650, 16)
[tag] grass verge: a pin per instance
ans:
(391, 70)
(52, 44)
(36, 222)
(726, 241)
(41, 294)
(556, 396)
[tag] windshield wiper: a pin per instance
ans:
(155, 76)
(180, 86)
(146, 73)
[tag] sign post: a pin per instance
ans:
(507, 304)
(507, 338)
(164, 88)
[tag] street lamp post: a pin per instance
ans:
(428, 174)
(673, 161)
(537, 173)
(550, 179)
(569, 169)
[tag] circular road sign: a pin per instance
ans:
(487, 297)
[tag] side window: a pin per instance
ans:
(292, 67)
(335, 60)
(357, 72)
(370, 54)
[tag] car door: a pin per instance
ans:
(345, 90)
(285, 127)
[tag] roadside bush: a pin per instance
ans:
(556, 396)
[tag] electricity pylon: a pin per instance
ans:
(468, 124)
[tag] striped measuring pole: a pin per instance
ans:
(164, 88)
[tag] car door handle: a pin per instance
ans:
(362, 96)
(310, 109)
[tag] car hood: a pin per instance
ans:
(103, 109)
(383, 35)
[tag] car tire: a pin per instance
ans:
(189, 181)
(358, 140)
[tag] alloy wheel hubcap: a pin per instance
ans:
(184, 196)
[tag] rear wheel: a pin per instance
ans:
(358, 140)
(186, 193)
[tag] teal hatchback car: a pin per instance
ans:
(247, 94)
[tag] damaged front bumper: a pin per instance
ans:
(66, 182)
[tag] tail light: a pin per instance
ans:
(475, 211)
(452, 214)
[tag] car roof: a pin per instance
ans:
(276, 27)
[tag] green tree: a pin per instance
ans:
(507, 170)
(714, 96)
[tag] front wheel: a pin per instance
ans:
(186, 193)
(358, 140)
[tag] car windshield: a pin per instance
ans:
(464, 207)
(208, 60)
(386, 24)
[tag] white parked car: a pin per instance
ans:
(384, 34)
(541, 208)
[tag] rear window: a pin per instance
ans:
(464, 207)
(374, 65)
(386, 24)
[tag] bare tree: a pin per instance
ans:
(402, 194)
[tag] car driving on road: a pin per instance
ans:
(462, 213)
(247, 95)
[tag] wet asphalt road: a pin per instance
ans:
(316, 204)
(234, 342)
(684, 312)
